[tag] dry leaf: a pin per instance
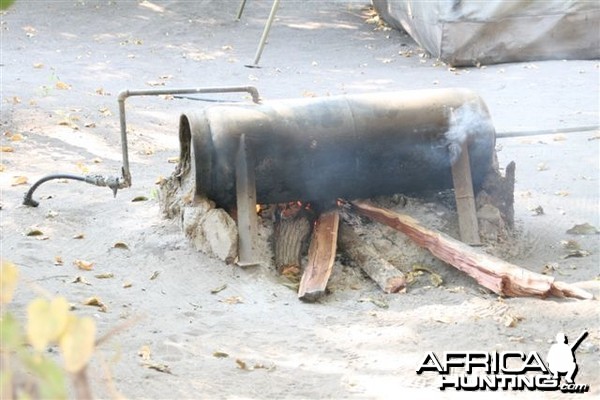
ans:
(62, 85)
(145, 353)
(106, 275)
(80, 279)
(173, 160)
(19, 180)
(2, 167)
(17, 137)
(121, 245)
(46, 321)
(160, 180)
(90, 125)
(34, 232)
(105, 112)
(155, 83)
(95, 302)
(58, 260)
(232, 300)
(139, 198)
(97, 160)
(84, 265)
(220, 354)
(583, 229)
(16, 100)
(6, 149)
(79, 236)
(158, 367)
(218, 289)
(78, 342)
(127, 285)
(241, 364)
(155, 275)
(510, 320)
(9, 275)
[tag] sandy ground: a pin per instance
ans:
(64, 62)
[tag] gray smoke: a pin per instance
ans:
(463, 122)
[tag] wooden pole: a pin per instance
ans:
(321, 256)
(491, 272)
(465, 199)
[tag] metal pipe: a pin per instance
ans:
(126, 172)
(124, 181)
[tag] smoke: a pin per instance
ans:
(464, 122)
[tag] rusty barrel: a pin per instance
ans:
(350, 146)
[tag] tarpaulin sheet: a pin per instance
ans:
(471, 32)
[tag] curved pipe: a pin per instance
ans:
(126, 179)
(29, 201)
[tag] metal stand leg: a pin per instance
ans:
(245, 183)
(263, 38)
(241, 10)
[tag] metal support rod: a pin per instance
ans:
(245, 183)
(126, 172)
(263, 39)
(241, 10)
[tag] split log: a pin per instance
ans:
(321, 256)
(493, 273)
(292, 226)
(389, 278)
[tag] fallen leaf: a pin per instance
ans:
(95, 302)
(90, 125)
(583, 229)
(97, 160)
(2, 167)
(127, 285)
(62, 85)
(510, 320)
(139, 198)
(220, 354)
(78, 343)
(232, 300)
(145, 353)
(105, 112)
(106, 275)
(9, 275)
(80, 279)
(38, 65)
(577, 254)
(155, 275)
(16, 100)
(82, 167)
(121, 245)
(84, 265)
(17, 137)
(160, 180)
(378, 303)
(46, 321)
(158, 367)
(155, 83)
(241, 364)
(58, 260)
(19, 180)
(435, 279)
(34, 232)
(173, 160)
(218, 289)
(79, 236)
